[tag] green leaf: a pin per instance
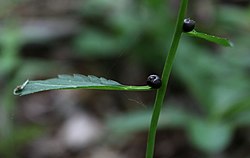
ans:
(211, 38)
(76, 81)
(210, 137)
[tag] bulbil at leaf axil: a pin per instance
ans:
(188, 25)
(154, 81)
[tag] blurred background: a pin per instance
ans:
(207, 108)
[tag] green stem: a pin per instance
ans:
(165, 77)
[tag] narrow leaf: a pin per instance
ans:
(76, 81)
(211, 38)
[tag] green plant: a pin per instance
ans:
(215, 84)
(92, 82)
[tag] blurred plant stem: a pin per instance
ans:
(165, 77)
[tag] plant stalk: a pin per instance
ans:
(160, 95)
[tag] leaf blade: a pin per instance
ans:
(75, 81)
(211, 38)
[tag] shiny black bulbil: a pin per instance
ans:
(154, 81)
(188, 25)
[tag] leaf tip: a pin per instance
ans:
(18, 90)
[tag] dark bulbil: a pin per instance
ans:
(154, 81)
(188, 25)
